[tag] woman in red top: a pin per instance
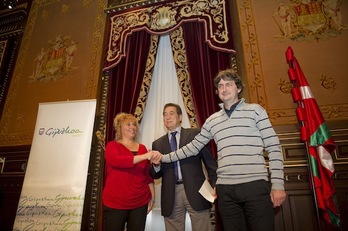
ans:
(129, 190)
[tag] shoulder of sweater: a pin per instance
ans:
(215, 115)
(250, 106)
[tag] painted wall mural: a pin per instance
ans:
(302, 20)
(55, 61)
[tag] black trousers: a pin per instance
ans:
(116, 219)
(246, 206)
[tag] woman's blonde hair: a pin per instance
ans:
(121, 118)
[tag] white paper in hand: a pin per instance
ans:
(207, 191)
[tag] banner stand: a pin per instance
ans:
(53, 192)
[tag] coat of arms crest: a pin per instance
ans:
(309, 19)
(55, 61)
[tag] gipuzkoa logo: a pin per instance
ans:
(41, 131)
(60, 131)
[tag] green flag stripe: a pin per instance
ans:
(314, 165)
(320, 136)
(333, 218)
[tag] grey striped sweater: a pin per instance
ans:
(241, 141)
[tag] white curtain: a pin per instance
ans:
(164, 89)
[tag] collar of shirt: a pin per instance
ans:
(178, 129)
(231, 109)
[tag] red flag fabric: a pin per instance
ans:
(316, 134)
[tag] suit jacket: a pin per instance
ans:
(192, 173)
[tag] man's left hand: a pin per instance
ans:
(277, 197)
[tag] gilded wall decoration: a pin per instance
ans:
(309, 20)
(58, 71)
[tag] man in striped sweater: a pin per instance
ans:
(242, 132)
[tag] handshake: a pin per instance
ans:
(154, 157)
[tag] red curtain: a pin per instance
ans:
(203, 63)
(125, 79)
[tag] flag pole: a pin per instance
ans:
(312, 184)
(300, 105)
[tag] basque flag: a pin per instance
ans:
(316, 134)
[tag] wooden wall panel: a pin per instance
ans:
(11, 182)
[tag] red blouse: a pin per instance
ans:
(126, 184)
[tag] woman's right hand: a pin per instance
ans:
(145, 156)
(156, 157)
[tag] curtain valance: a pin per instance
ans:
(163, 18)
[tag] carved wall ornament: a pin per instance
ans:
(328, 83)
(164, 18)
(65, 8)
(257, 83)
(20, 118)
(334, 112)
(44, 14)
(309, 20)
(285, 86)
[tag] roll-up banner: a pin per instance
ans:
(54, 185)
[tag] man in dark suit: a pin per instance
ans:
(179, 191)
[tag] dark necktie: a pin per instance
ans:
(174, 146)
